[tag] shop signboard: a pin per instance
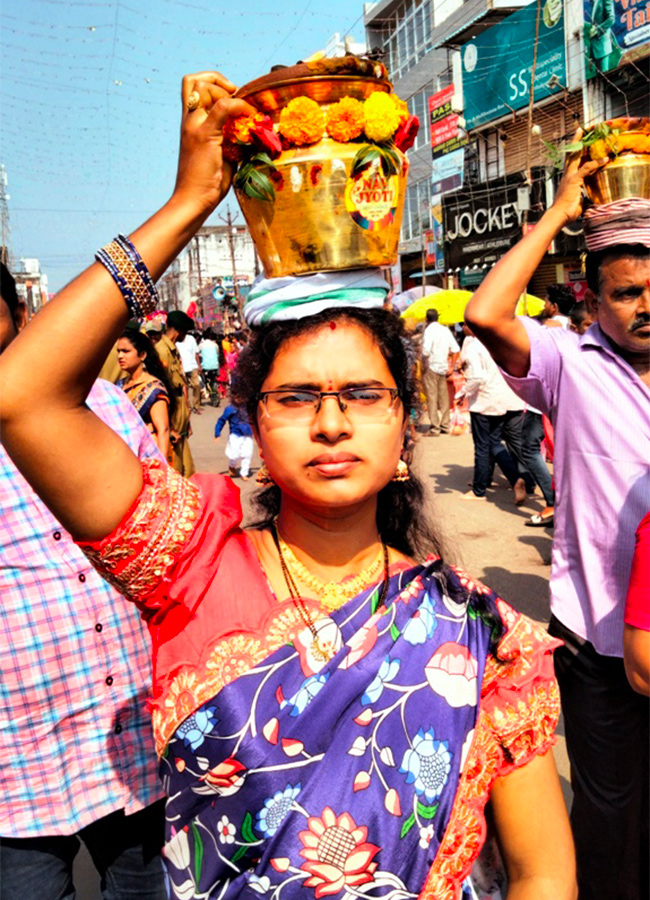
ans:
(446, 136)
(482, 222)
(497, 64)
(447, 172)
(612, 27)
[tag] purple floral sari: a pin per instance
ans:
(334, 777)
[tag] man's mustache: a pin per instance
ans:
(641, 321)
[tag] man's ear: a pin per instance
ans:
(592, 303)
(20, 317)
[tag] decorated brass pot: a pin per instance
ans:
(322, 217)
(625, 176)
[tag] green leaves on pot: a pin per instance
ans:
(253, 177)
(389, 159)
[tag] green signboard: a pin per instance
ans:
(497, 64)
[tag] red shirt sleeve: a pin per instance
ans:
(637, 606)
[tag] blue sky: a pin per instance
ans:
(89, 104)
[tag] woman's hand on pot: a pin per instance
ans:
(204, 176)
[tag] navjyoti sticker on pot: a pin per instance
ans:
(497, 64)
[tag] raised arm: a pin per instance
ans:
(491, 313)
(83, 471)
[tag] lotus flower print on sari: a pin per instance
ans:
(336, 852)
(332, 777)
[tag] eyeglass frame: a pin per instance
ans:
(394, 394)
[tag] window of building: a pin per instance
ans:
(490, 155)
(418, 105)
(417, 209)
(405, 36)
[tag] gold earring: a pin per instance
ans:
(401, 472)
(263, 475)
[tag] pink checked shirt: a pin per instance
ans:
(75, 736)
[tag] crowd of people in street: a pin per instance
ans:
(333, 704)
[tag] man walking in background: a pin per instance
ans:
(439, 354)
(189, 351)
(178, 325)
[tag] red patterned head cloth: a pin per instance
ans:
(621, 222)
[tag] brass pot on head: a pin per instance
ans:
(322, 218)
(626, 176)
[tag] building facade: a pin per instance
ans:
(218, 264)
(481, 173)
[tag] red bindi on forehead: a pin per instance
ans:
(333, 326)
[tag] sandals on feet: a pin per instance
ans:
(538, 521)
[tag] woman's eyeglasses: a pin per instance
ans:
(358, 404)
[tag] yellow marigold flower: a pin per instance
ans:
(382, 117)
(345, 119)
(402, 108)
(302, 121)
(239, 129)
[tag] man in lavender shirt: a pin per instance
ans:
(596, 390)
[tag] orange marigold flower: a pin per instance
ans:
(635, 143)
(382, 117)
(402, 108)
(345, 119)
(302, 121)
(239, 129)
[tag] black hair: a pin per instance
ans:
(578, 313)
(432, 315)
(8, 290)
(152, 361)
(402, 519)
(562, 296)
(595, 259)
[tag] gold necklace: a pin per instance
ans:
(319, 651)
(331, 594)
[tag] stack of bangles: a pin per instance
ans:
(131, 275)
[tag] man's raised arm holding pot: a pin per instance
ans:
(491, 311)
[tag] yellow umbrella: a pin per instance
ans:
(451, 306)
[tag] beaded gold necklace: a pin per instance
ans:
(331, 594)
(297, 599)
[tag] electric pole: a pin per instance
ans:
(5, 228)
(231, 244)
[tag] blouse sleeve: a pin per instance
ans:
(520, 694)
(139, 555)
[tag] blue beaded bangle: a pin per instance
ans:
(130, 274)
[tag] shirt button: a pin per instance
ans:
(109, 680)
(98, 627)
(82, 578)
(118, 729)
(57, 535)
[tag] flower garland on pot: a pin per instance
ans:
(381, 125)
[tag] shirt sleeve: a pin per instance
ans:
(453, 344)
(221, 421)
(540, 386)
(520, 693)
(114, 408)
(637, 605)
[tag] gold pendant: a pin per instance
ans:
(330, 596)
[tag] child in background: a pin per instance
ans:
(239, 448)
